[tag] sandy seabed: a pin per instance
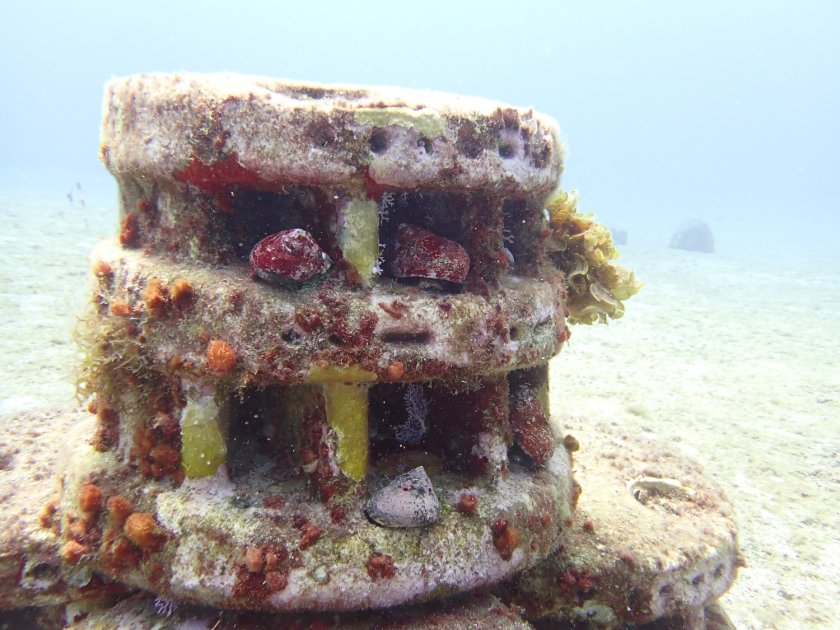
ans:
(734, 361)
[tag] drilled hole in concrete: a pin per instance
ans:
(379, 141)
(506, 151)
(517, 332)
(425, 144)
(407, 337)
(509, 144)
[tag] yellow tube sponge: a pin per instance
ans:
(582, 249)
(359, 235)
(203, 447)
(347, 413)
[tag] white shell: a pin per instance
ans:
(408, 501)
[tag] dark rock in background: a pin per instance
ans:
(694, 236)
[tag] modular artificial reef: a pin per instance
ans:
(317, 360)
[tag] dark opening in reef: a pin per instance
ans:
(283, 432)
(398, 416)
(506, 150)
(379, 141)
(257, 214)
(522, 235)
(447, 216)
(259, 437)
(437, 212)
(495, 238)
(452, 424)
(426, 144)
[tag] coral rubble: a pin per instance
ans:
(317, 360)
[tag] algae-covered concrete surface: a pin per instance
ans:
(730, 360)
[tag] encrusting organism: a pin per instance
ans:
(417, 407)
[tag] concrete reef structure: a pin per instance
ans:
(317, 358)
(653, 538)
(314, 291)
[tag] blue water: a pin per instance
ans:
(721, 111)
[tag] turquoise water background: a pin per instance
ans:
(721, 111)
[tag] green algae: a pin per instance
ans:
(583, 250)
(430, 124)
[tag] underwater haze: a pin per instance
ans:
(722, 112)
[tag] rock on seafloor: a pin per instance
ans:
(408, 501)
(694, 236)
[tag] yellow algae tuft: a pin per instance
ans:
(203, 447)
(347, 413)
(583, 250)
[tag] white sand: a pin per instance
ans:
(44, 248)
(733, 361)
